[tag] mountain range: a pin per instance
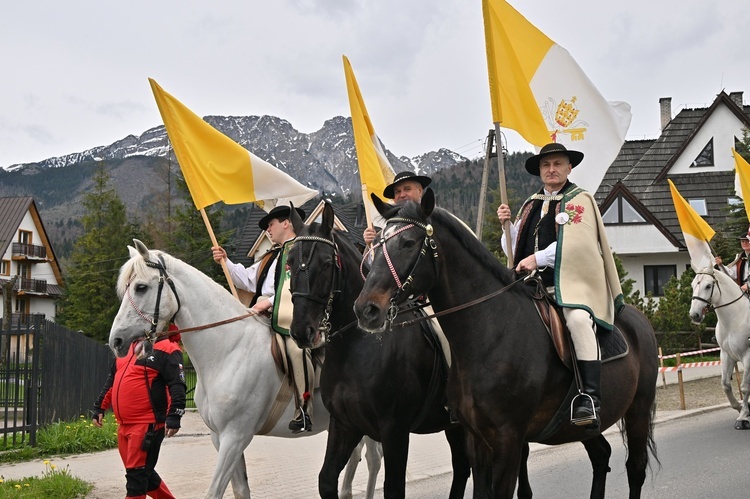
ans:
(324, 160)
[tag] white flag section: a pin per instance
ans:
(578, 116)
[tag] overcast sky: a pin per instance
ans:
(74, 73)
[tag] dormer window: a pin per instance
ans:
(622, 212)
(706, 156)
(699, 205)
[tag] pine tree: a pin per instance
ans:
(90, 303)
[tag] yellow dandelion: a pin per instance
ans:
(46, 461)
(81, 416)
(26, 485)
(68, 427)
(53, 466)
(2, 481)
(17, 486)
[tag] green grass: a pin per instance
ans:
(66, 437)
(53, 482)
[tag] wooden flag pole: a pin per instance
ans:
(214, 242)
(503, 192)
(368, 215)
(483, 188)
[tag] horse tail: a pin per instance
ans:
(650, 442)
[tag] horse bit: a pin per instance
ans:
(152, 335)
(714, 286)
(304, 266)
(429, 242)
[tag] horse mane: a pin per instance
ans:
(345, 246)
(137, 265)
(487, 261)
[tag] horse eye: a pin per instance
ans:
(409, 243)
(140, 288)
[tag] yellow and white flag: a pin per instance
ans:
(538, 90)
(375, 171)
(216, 168)
(695, 230)
(742, 180)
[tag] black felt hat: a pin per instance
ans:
(278, 212)
(532, 164)
(400, 177)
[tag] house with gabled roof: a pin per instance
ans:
(694, 151)
(27, 254)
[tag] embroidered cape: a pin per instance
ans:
(585, 274)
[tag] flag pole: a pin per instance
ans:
(368, 215)
(503, 191)
(214, 242)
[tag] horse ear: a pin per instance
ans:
(328, 217)
(297, 223)
(428, 202)
(380, 205)
(132, 251)
(142, 249)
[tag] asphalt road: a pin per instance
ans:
(701, 456)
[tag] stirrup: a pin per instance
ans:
(584, 421)
(300, 424)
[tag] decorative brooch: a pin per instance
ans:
(572, 214)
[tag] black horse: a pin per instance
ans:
(507, 380)
(383, 386)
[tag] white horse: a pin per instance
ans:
(238, 381)
(716, 289)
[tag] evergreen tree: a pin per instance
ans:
(189, 240)
(90, 303)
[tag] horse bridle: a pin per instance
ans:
(714, 286)
(152, 335)
(428, 244)
(303, 276)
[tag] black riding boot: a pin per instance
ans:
(584, 414)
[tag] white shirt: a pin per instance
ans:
(247, 277)
(545, 257)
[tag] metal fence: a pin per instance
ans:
(47, 374)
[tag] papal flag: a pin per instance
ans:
(375, 171)
(695, 230)
(538, 90)
(216, 168)
(742, 180)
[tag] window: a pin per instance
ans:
(24, 270)
(699, 205)
(656, 277)
(706, 157)
(622, 212)
(5, 267)
(24, 237)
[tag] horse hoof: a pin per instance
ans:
(742, 425)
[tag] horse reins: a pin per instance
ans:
(715, 286)
(152, 335)
(429, 242)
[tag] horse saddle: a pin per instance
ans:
(612, 344)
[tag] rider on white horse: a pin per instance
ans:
(261, 279)
(739, 270)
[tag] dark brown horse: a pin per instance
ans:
(507, 381)
(383, 386)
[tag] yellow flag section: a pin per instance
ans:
(742, 180)
(695, 230)
(375, 171)
(539, 90)
(216, 168)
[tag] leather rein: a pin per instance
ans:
(152, 335)
(428, 244)
(715, 285)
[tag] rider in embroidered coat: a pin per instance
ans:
(739, 270)
(559, 232)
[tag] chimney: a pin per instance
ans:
(736, 98)
(665, 106)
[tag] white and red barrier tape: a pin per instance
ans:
(688, 365)
(688, 354)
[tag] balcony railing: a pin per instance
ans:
(29, 251)
(26, 318)
(31, 285)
